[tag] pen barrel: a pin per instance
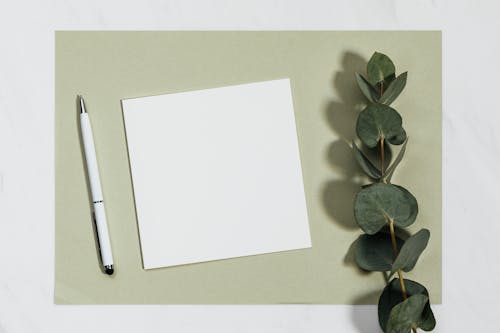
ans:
(103, 234)
(90, 158)
(95, 189)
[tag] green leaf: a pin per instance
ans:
(366, 88)
(394, 89)
(406, 315)
(399, 138)
(374, 253)
(375, 205)
(390, 170)
(411, 251)
(392, 295)
(379, 121)
(379, 67)
(365, 164)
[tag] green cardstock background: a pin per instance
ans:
(106, 67)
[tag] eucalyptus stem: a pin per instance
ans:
(395, 248)
(382, 155)
(382, 158)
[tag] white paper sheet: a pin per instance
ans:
(216, 173)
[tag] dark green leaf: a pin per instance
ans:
(399, 138)
(394, 89)
(392, 295)
(365, 164)
(375, 205)
(374, 253)
(379, 67)
(366, 88)
(390, 170)
(379, 121)
(411, 251)
(427, 321)
(406, 315)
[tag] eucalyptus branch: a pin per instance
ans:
(404, 304)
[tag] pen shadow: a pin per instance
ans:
(89, 194)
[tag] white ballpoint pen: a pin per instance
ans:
(95, 189)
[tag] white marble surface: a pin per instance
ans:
(471, 59)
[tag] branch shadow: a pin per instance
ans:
(341, 114)
(338, 194)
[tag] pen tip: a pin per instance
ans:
(109, 269)
(82, 104)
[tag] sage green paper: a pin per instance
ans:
(106, 67)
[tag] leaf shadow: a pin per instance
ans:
(341, 114)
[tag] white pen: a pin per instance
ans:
(95, 189)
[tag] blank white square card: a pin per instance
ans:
(216, 173)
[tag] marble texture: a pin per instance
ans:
(471, 66)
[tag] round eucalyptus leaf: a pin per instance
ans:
(379, 121)
(379, 68)
(374, 253)
(375, 205)
(411, 251)
(392, 295)
(406, 315)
